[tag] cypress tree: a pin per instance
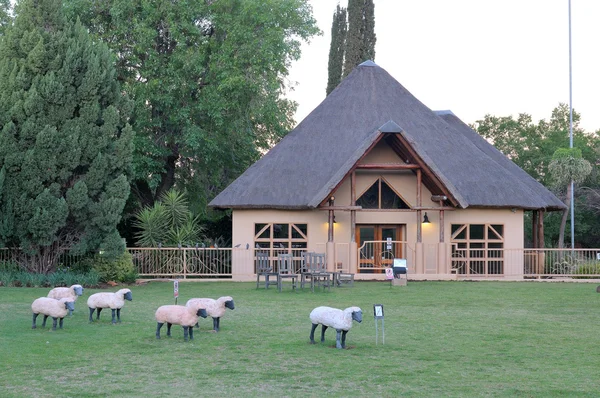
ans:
(360, 39)
(4, 15)
(336, 49)
(66, 145)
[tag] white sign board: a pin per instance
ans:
(389, 243)
(176, 289)
(399, 263)
(389, 273)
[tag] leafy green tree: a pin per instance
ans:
(567, 168)
(361, 38)
(532, 145)
(169, 222)
(336, 48)
(208, 79)
(66, 145)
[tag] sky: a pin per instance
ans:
(473, 57)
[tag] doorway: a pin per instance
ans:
(381, 246)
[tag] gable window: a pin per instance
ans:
(381, 196)
(478, 249)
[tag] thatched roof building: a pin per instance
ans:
(302, 170)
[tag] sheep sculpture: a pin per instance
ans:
(68, 292)
(340, 320)
(57, 309)
(115, 301)
(214, 308)
(184, 315)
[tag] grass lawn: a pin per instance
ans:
(458, 339)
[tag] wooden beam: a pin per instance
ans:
(353, 203)
(340, 208)
(419, 204)
(388, 166)
(541, 242)
(534, 229)
(433, 208)
(442, 226)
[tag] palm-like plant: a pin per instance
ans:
(568, 165)
(169, 222)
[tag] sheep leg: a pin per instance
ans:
(185, 333)
(168, 329)
(33, 326)
(197, 325)
(338, 345)
(158, 326)
(191, 330)
(216, 324)
(70, 312)
(344, 338)
(323, 329)
(91, 313)
(98, 313)
(312, 333)
(60, 323)
(119, 315)
(114, 321)
(53, 323)
(44, 323)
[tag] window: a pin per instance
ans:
(381, 196)
(281, 238)
(478, 249)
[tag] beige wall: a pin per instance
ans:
(405, 184)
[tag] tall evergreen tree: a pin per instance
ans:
(360, 39)
(336, 49)
(4, 15)
(66, 144)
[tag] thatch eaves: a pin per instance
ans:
(304, 168)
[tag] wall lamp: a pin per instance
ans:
(426, 219)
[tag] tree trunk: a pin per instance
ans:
(563, 221)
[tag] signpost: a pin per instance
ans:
(176, 290)
(378, 314)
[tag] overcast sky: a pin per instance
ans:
(474, 57)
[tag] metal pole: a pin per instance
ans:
(571, 133)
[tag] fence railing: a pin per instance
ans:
(373, 257)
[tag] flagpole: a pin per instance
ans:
(571, 132)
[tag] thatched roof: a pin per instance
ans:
(303, 169)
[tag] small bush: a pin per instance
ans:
(119, 270)
(9, 266)
(591, 268)
(83, 265)
(90, 279)
(6, 278)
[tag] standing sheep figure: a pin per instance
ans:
(114, 301)
(340, 320)
(214, 308)
(184, 315)
(57, 309)
(69, 292)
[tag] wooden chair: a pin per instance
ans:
(285, 270)
(320, 276)
(341, 278)
(306, 268)
(264, 269)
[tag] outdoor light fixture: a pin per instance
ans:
(426, 219)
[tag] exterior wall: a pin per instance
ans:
(405, 184)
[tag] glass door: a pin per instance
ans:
(373, 257)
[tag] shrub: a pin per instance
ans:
(6, 278)
(90, 279)
(83, 265)
(592, 268)
(9, 266)
(119, 270)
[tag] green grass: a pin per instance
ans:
(455, 339)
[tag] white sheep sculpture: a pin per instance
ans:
(57, 309)
(186, 316)
(69, 292)
(340, 320)
(214, 308)
(115, 301)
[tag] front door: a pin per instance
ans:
(375, 256)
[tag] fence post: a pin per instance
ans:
(184, 263)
